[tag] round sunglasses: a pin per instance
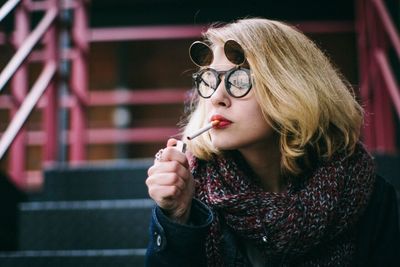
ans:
(237, 81)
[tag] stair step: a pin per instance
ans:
(122, 179)
(76, 258)
(100, 224)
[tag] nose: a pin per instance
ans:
(221, 96)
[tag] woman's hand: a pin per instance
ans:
(170, 183)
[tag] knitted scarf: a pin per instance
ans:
(286, 225)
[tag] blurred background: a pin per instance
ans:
(91, 90)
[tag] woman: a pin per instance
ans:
(281, 179)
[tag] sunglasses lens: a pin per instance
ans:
(201, 54)
(207, 83)
(234, 52)
(239, 82)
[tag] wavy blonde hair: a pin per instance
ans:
(301, 95)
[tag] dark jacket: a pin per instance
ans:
(377, 236)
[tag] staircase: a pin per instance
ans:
(95, 215)
(98, 215)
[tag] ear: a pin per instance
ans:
(201, 54)
(234, 52)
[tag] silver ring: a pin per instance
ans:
(159, 155)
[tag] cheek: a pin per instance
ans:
(257, 122)
(254, 113)
(259, 127)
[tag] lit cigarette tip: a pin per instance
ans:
(203, 130)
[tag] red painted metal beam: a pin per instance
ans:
(135, 33)
(44, 5)
(325, 26)
(50, 115)
(388, 25)
(144, 33)
(79, 82)
(19, 89)
(388, 79)
(135, 97)
(116, 97)
(133, 135)
(363, 70)
(113, 135)
(185, 32)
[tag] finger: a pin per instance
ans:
(173, 154)
(166, 179)
(169, 167)
(179, 145)
(172, 142)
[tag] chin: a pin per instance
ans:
(223, 145)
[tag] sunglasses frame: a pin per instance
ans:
(202, 55)
(227, 73)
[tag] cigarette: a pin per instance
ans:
(203, 130)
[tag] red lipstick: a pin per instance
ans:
(223, 122)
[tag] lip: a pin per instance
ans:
(223, 122)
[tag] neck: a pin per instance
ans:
(265, 159)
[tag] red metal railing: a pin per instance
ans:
(377, 35)
(22, 101)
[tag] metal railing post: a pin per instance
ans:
(373, 73)
(19, 89)
(364, 85)
(386, 131)
(79, 82)
(50, 112)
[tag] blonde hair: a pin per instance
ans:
(301, 95)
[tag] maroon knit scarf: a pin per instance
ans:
(287, 224)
